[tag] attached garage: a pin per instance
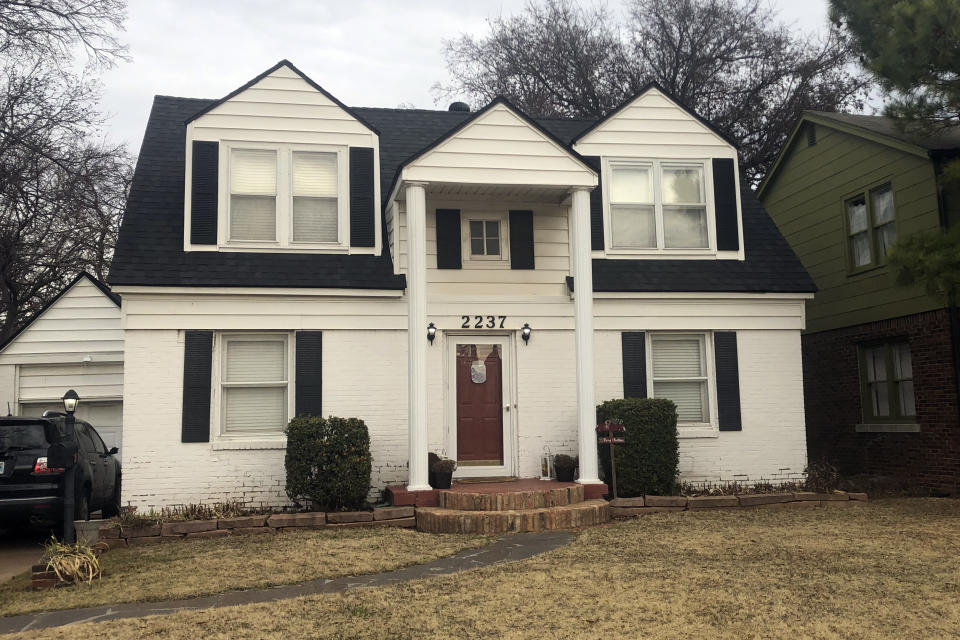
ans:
(74, 343)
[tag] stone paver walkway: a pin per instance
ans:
(505, 549)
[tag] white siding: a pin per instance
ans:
(654, 126)
(84, 321)
(499, 147)
(90, 381)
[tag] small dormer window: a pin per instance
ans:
(286, 196)
(658, 205)
(485, 239)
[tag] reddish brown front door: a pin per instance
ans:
(479, 405)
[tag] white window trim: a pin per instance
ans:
(265, 439)
(485, 262)
(284, 220)
(657, 164)
(709, 429)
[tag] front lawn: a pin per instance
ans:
(887, 569)
(203, 567)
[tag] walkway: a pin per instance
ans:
(505, 549)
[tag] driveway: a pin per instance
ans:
(19, 550)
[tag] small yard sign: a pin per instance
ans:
(610, 428)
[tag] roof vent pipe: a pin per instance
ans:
(459, 106)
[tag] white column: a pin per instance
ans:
(417, 334)
(583, 308)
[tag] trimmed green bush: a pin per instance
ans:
(328, 462)
(648, 462)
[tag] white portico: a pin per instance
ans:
(502, 162)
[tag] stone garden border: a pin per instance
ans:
(108, 535)
(643, 505)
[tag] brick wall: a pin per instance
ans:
(929, 459)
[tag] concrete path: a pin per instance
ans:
(20, 549)
(505, 549)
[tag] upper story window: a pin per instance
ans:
(658, 205)
(485, 239)
(871, 228)
(286, 195)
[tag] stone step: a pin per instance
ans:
(466, 498)
(580, 514)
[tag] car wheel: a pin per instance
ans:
(82, 510)
(112, 508)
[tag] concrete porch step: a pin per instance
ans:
(579, 514)
(522, 494)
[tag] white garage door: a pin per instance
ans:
(105, 416)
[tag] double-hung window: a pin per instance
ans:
(658, 205)
(871, 228)
(286, 196)
(679, 367)
(485, 239)
(254, 384)
(887, 382)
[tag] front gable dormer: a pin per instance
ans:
(281, 165)
(669, 183)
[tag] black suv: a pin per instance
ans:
(31, 490)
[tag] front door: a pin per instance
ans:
(481, 406)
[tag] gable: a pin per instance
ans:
(82, 321)
(647, 123)
(500, 146)
(281, 105)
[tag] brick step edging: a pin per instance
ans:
(629, 507)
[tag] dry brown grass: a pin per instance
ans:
(884, 570)
(204, 567)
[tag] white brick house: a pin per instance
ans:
(278, 245)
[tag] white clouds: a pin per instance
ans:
(366, 52)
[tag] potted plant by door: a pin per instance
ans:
(564, 465)
(443, 473)
(432, 459)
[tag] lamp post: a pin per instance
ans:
(70, 402)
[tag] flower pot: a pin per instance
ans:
(432, 479)
(564, 474)
(441, 479)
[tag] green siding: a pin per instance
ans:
(806, 199)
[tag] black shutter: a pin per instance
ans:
(728, 380)
(521, 240)
(596, 207)
(362, 217)
(448, 239)
(203, 192)
(634, 347)
(197, 361)
(309, 370)
(725, 204)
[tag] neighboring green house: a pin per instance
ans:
(880, 360)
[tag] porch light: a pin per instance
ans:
(525, 332)
(70, 401)
(431, 332)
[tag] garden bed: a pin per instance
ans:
(644, 505)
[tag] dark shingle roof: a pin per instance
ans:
(943, 140)
(150, 248)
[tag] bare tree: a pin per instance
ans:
(62, 185)
(51, 29)
(729, 60)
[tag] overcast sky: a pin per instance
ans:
(379, 53)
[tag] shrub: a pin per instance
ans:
(563, 461)
(822, 477)
(328, 462)
(648, 461)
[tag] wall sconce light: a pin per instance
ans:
(431, 332)
(525, 332)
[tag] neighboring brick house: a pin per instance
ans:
(278, 245)
(880, 360)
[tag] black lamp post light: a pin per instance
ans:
(68, 455)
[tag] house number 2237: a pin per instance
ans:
(482, 322)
